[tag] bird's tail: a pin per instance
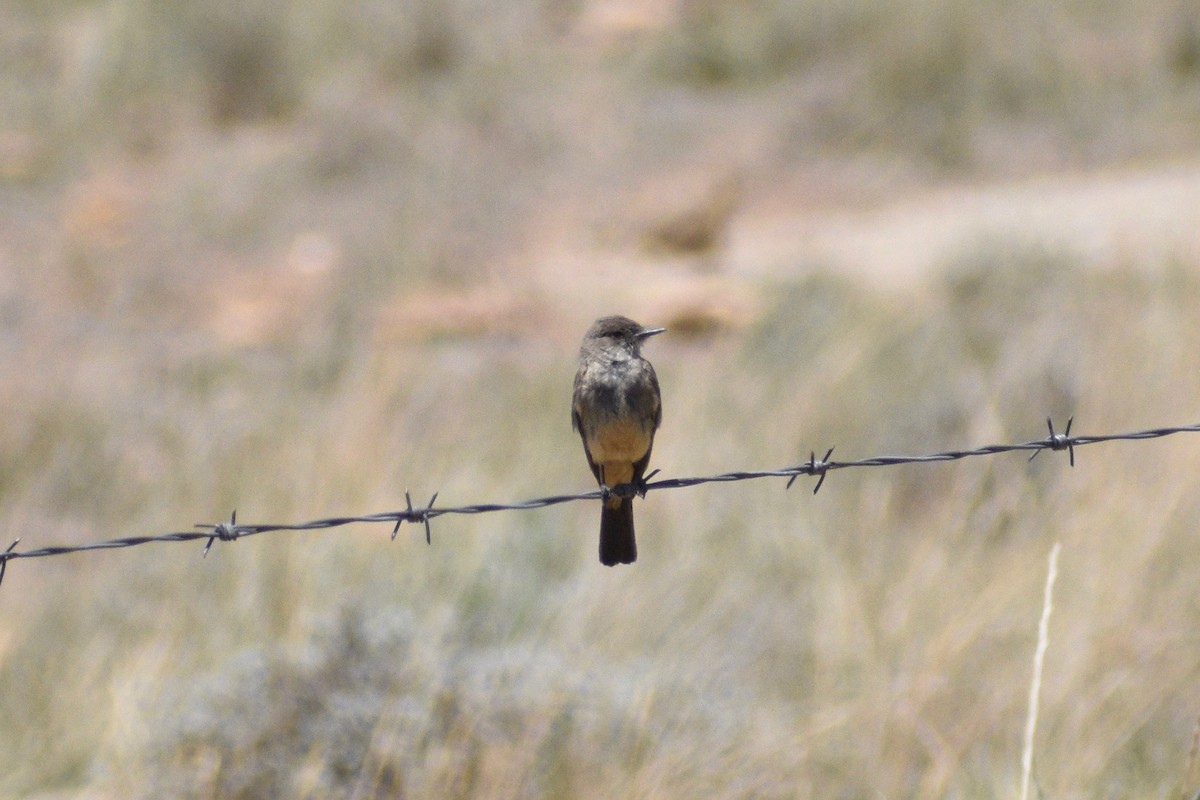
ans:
(617, 542)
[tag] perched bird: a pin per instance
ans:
(616, 408)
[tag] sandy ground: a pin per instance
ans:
(1105, 217)
(892, 241)
(889, 239)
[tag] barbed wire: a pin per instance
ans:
(814, 467)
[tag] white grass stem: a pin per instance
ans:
(1039, 659)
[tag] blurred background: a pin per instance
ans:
(297, 257)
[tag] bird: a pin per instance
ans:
(616, 409)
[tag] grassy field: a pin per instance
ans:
(301, 258)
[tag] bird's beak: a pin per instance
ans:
(648, 332)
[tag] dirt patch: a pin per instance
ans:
(1147, 215)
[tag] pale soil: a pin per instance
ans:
(1145, 216)
(1140, 215)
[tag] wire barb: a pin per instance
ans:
(410, 514)
(4, 557)
(813, 467)
(404, 516)
(1058, 441)
(425, 518)
(225, 531)
(643, 483)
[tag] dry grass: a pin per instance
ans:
(873, 639)
(258, 276)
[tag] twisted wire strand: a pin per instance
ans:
(813, 467)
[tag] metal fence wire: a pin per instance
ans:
(814, 467)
